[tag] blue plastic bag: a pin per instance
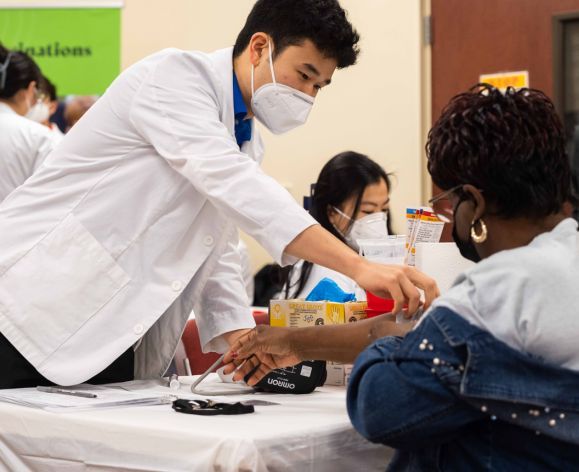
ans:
(328, 290)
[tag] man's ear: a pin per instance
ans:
(258, 45)
(479, 202)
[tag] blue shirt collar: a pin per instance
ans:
(239, 107)
(243, 127)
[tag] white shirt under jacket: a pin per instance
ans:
(24, 144)
(130, 224)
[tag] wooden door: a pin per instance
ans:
(474, 37)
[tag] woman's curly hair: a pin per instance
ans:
(509, 144)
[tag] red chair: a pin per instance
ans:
(198, 360)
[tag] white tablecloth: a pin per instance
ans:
(304, 433)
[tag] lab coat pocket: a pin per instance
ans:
(57, 287)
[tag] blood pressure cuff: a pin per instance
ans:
(301, 378)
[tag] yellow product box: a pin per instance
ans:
(301, 314)
(355, 311)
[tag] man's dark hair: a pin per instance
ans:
(510, 145)
(291, 22)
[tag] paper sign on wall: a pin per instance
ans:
(502, 80)
(76, 48)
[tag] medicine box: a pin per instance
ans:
(301, 314)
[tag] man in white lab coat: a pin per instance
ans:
(132, 222)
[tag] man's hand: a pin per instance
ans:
(264, 348)
(397, 282)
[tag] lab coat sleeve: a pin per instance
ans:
(223, 305)
(177, 110)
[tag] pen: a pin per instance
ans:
(74, 393)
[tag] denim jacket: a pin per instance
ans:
(450, 396)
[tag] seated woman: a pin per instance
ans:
(350, 200)
(488, 379)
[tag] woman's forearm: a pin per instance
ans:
(343, 343)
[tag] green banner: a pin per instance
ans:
(78, 49)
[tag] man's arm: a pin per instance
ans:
(200, 147)
(398, 282)
(222, 310)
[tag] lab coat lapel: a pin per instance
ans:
(223, 61)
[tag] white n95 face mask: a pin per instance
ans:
(279, 107)
(372, 226)
(38, 112)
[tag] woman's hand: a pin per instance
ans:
(264, 348)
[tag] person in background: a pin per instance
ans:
(75, 108)
(350, 200)
(488, 379)
(24, 144)
(46, 108)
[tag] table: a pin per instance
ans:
(304, 433)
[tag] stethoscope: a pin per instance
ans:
(235, 391)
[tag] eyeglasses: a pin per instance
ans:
(442, 206)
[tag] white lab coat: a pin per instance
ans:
(130, 224)
(246, 270)
(24, 144)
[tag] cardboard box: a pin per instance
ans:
(338, 374)
(301, 314)
(355, 311)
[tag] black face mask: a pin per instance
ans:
(467, 249)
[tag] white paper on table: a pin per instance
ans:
(60, 403)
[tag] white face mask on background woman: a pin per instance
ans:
(38, 112)
(279, 107)
(372, 226)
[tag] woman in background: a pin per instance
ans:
(351, 199)
(24, 144)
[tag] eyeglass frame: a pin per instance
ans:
(442, 217)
